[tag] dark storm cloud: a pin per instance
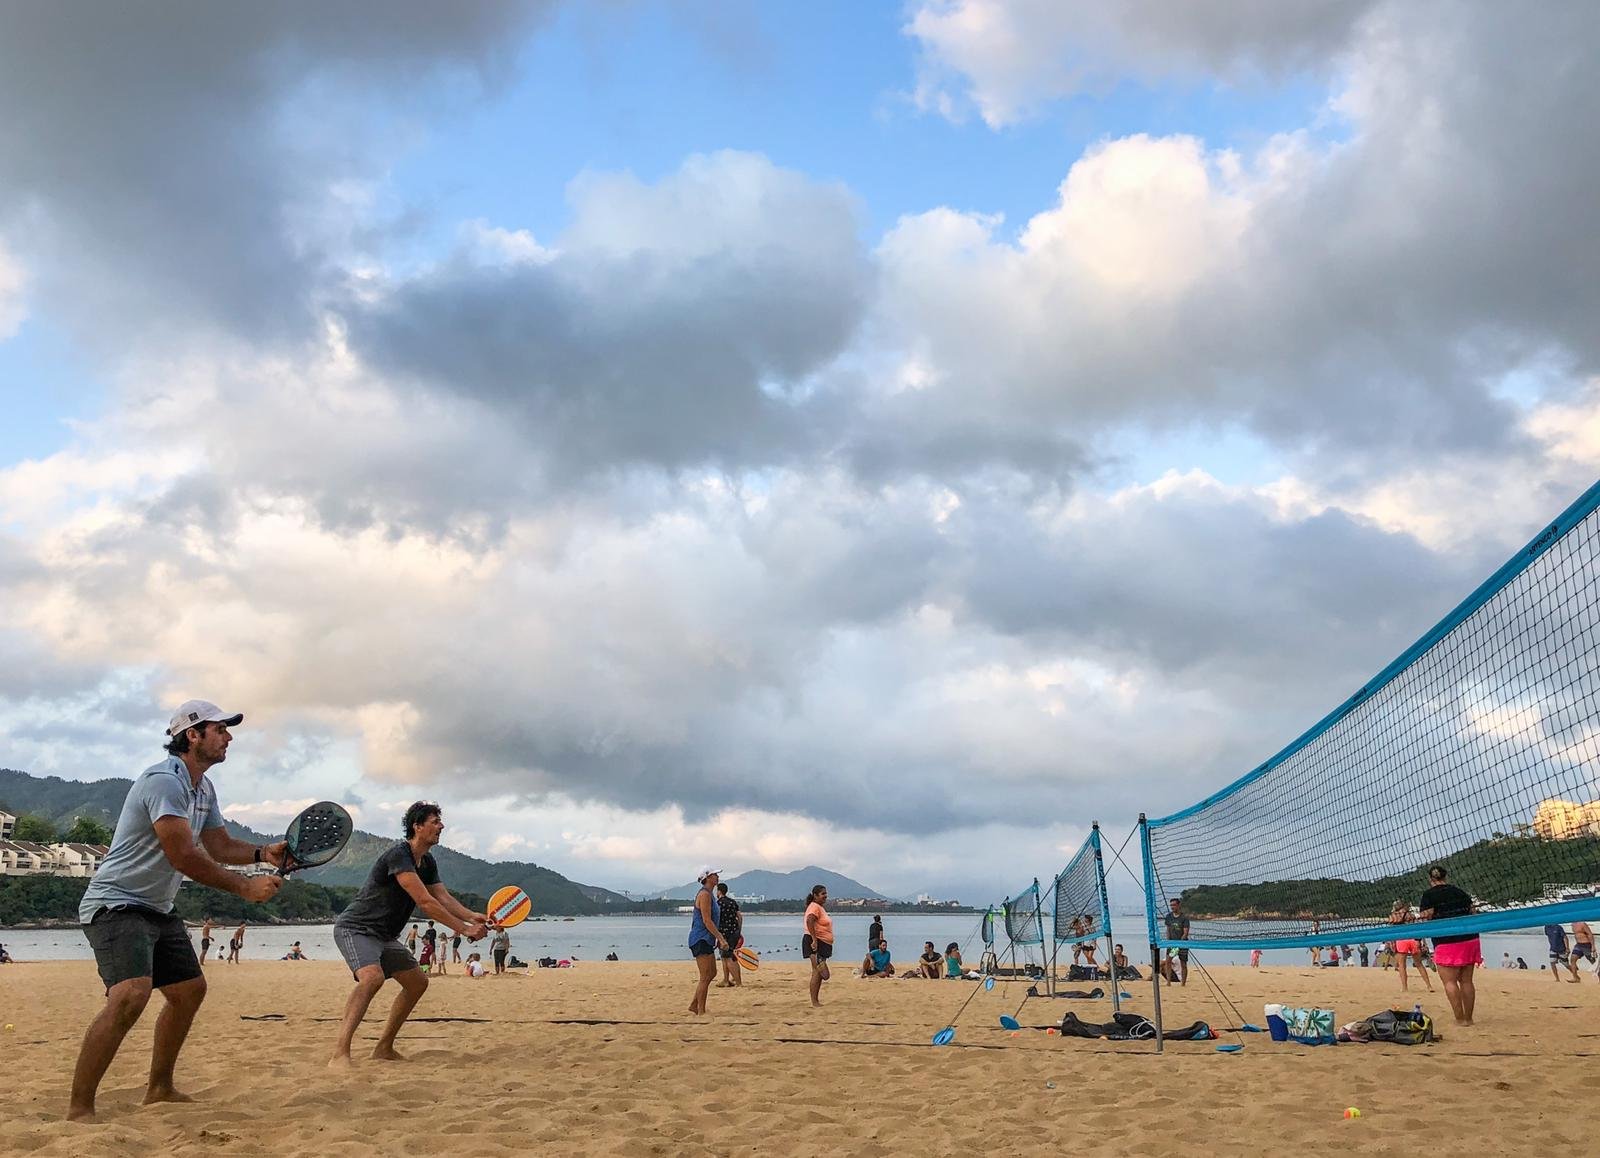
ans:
(146, 158)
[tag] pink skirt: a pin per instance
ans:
(1458, 953)
(1406, 948)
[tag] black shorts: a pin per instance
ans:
(733, 944)
(824, 949)
(130, 942)
(703, 948)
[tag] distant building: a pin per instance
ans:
(26, 858)
(749, 898)
(8, 824)
(924, 899)
(1565, 819)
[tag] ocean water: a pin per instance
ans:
(776, 936)
(640, 938)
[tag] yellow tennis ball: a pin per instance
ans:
(9, 1027)
(1352, 1112)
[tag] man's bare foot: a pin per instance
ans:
(80, 1113)
(340, 1061)
(1460, 1022)
(386, 1053)
(164, 1094)
(816, 1005)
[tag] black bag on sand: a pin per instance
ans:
(1402, 1027)
(1131, 1027)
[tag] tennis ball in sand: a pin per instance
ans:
(1352, 1112)
(9, 1027)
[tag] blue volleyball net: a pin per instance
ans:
(1477, 749)
(1078, 895)
(1024, 922)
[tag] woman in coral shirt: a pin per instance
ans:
(817, 941)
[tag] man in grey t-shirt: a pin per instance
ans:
(170, 828)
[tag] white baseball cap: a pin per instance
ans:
(705, 872)
(200, 712)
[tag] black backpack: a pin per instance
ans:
(1403, 1027)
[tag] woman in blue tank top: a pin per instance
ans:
(705, 938)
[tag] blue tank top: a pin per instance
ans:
(697, 926)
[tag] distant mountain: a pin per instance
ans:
(781, 886)
(61, 800)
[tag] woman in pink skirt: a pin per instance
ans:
(1458, 955)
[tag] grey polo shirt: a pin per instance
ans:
(136, 871)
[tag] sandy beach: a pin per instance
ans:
(602, 1059)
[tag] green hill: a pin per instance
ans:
(1505, 870)
(60, 801)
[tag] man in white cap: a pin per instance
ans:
(170, 828)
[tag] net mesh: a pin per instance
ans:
(1477, 750)
(1022, 920)
(1079, 896)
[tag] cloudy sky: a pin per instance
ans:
(889, 436)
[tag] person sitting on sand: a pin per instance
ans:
(952, 961)
(1521, 964)
(295, 953)
(5, 958)
(1119, 961)
(474, 966)
(877, 962)
(932, 960)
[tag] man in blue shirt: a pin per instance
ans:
(170, 828)
(877, 962)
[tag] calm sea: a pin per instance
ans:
(665, 938)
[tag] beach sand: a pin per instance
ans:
(604, 1059)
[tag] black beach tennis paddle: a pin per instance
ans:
(315, 837)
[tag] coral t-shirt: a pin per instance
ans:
(818, 923)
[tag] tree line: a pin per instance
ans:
(42, 897)
(39, 830)
(1503, 870)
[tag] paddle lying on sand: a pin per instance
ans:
(748, 958)
(509, 906)
(948, 1034)
(315, 837)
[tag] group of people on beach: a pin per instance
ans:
(716, 927)
(171, 828)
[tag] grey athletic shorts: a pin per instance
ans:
(362, 949)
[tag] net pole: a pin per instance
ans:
(1105, 916)
(1055, 938)
(1038, 923)
(1150, 926)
